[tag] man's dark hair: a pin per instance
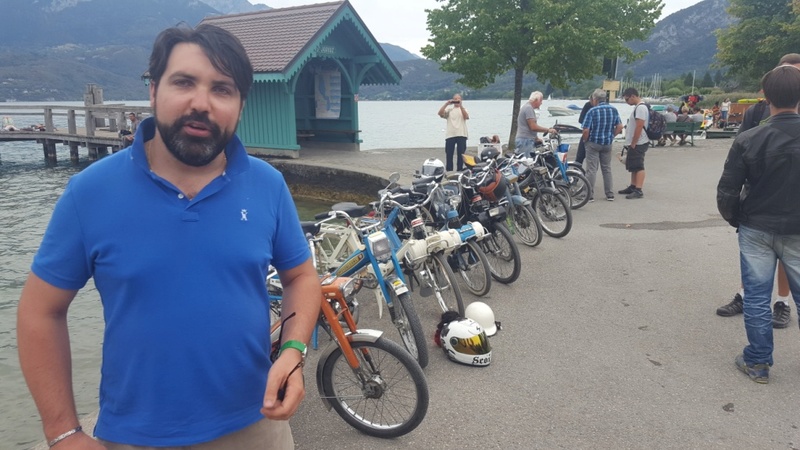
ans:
(790, 58)
(222, 48)
(781, 86)
(630, 91)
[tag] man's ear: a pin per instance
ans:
(153, 88)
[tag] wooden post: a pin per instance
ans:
(94, 96)
(48, 120)
(92, 152)
(74, 156)
(49, 151)
(72, 127)
(90, 122)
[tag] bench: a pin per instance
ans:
(687, 128)
(311, 133)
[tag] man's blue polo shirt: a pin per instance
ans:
(601, 121)
(186, 343)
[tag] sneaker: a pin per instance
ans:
(781, 315)
(637, 193)
(610, 198)
(627, 190)
(591, 199)
(757, 372)
(736, 306)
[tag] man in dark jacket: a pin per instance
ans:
(768, 216)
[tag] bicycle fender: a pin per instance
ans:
(361, 335)
(397, 284)
(520, 200)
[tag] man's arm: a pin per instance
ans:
(442, 113)
(535, 126)
(46, 361)
(464, 112)
(302, 296)
(730, 185)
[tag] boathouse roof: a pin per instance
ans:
(280, 41)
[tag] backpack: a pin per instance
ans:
(656, 124)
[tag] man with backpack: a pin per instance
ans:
(636, 143)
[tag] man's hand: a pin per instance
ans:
(275, 409)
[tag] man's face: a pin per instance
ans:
(536, 103)
(629, 99)
(132, 117)
(196, 107)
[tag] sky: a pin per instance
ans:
(403, 22)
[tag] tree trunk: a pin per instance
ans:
(519, 72)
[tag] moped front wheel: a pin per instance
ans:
(443, 283)
(386, 396)
(528, 228)
(502, 253)
(554, 213)
(579, 189)
(407, 322)
(471, 268)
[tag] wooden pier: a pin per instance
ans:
(100, 131)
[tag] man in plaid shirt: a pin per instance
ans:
(601, 124)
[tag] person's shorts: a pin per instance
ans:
(635, 160)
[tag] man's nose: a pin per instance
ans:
(201, 100)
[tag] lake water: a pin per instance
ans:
(29, 190)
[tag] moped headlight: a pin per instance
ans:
(379, 246)
(351, 288)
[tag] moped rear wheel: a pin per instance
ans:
(409, 326)
(386, 396)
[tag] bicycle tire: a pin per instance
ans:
(409, 327)
(470, 262)
(529, 230)
(554, 213)
(386, 397)
(579, 189)
(503, 254)
(445, 287)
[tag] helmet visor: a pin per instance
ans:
(474, 345)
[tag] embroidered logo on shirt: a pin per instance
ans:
(244, 215)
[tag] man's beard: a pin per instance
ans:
(191, 150)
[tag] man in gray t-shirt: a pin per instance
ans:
(527, 128)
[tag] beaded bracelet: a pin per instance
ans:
(64, 436)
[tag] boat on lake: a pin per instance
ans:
(561, 111)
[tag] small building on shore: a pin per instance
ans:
(309, 62)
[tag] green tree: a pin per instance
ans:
(767, 30)
(707, 80)
(718, 78)
(557, 40)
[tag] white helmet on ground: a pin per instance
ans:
(481, 312)
(465, 342)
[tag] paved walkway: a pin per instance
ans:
(609, 338)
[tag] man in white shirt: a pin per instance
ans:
(636, 143)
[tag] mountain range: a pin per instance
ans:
(50, 49)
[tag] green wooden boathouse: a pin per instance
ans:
(309, 62)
